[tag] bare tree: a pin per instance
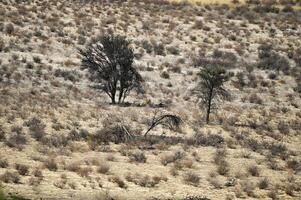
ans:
(109, 60)
(210, 88)
(169, 120)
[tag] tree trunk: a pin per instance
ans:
(120, 96)
(209, 107)
(113, 93)
(208, 113)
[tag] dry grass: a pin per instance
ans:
(61, 138)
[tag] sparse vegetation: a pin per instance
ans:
(170, 67)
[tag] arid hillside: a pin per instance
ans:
(62, 138)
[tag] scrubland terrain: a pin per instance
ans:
(49, 114)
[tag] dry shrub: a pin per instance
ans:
(138, 156)
(111, 157)
(16, 139)
(264, 183)
(36, 128)
(55, 140)
(84, 171)
(22, 169)
(223, 167)
(61, 183)
(3, 163)
(144, 180)
(254, 98)
(51, 164)
(254, 170)
(38, 173)
(206, 139)
(191, 178)
(10, 177)
(73, 167)
(118, 181)
(249, 187)
(34, 181)
(216, 183)
(174, 171)
(114, 130)
(2, 130)
(172, 157)
(294, 165)
(103, 168)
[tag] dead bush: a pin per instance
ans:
(191, 178)
(264, 183)
(294, 164)
(254, 98)
(51, 164)
(3, 163)
(38, 173)
(103, 168)
(36, 128)
(114, 130)
(249, 187)
(138, 156)
(17, 138)
(144, 180)
(10, 177)
(172, 157)
(118, 181)
(253, 170)
(22, 169)
(206, 139)
(84, 171)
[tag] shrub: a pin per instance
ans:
(191, 178)
(118, 181)
(165, 75)
(113, 131)
(269, 59)
(207, 140)
(138, 156)
(253, 170)
(294, 165)
(73, 167)
(223, 167)
(173, 50)
(75, 135)
(55, 140)
(103, 168)
(22, 169)
(84, 171)
(10, 29)
(195, 198)
(38, 173)
(264, 183)
(36, 128)
(254, 98)
(284, 127)
(169, 158)
(249, 187)
(51, 164)
(3, 163)
(144, 180)
(159, 49)
(17, 139)
(10, 177)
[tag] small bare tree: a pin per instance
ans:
(169, 120)
(210, 88)
(109, 60)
